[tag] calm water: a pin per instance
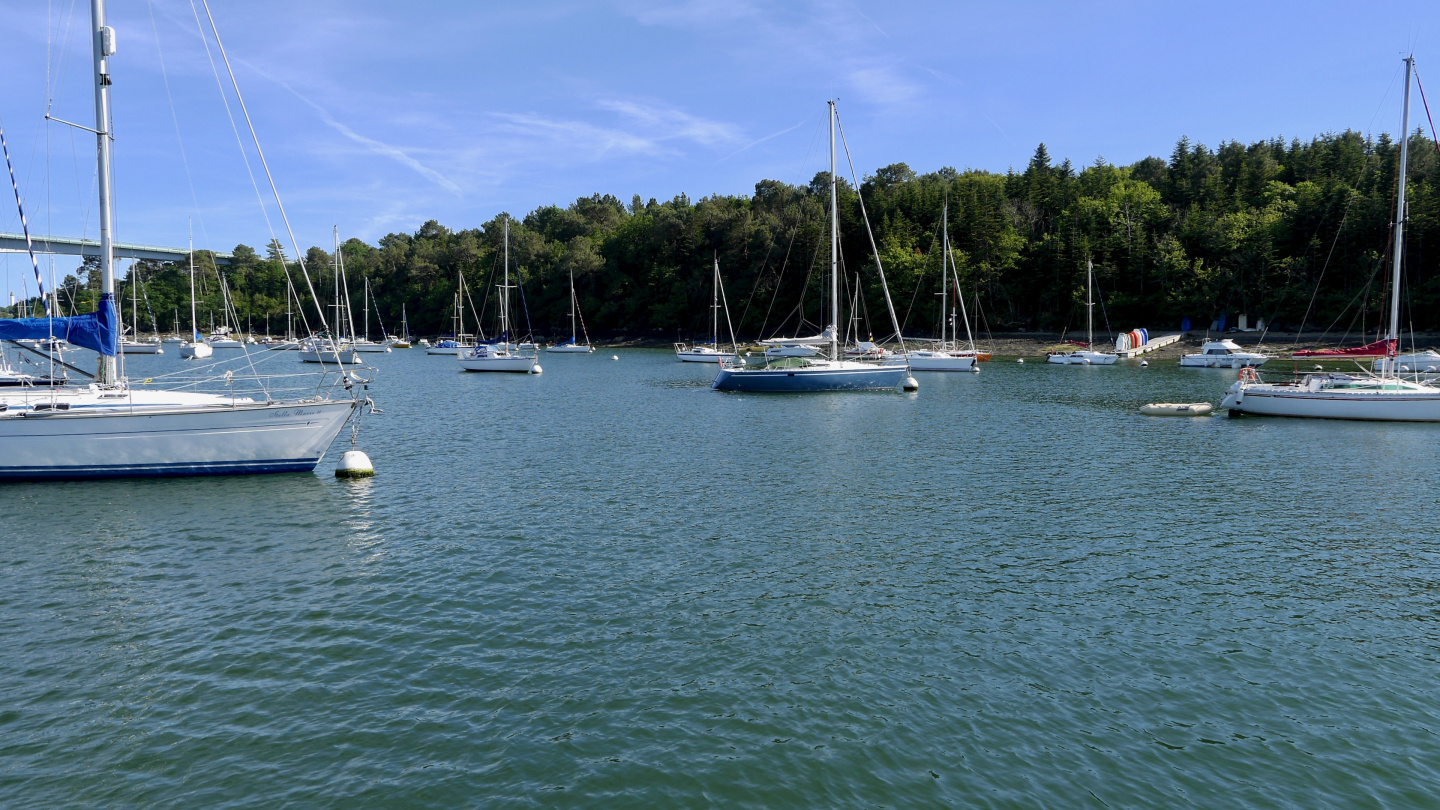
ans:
(611, 586)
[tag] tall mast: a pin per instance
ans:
(1090, 304)
(335, 266)
(714, 303)
(103, 45)
(944, 273)
(834, 247)
(574, 305)
(505, 289)
(194, 330)
(1400, 220)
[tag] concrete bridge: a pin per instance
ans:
(64, 245)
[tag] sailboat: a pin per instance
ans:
(710, 352)
(498, 355)
(820, 373)
(363, 343)
(573, 345)
(1384, 396)
(403, 340)
(947, 355)
(327, 348)
(111, 429)
(195, 348)
(458, 341)
(129, 346)
(1086, 356)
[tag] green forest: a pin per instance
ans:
(1295, 233)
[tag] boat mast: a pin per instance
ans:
(944, 272)
(715, 303)
(1389, 367)
(1090, 304)
(505, 288)
(194, 330)
(834, 247)
(103, 46)
(335, 265)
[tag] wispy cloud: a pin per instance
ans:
(378, 147)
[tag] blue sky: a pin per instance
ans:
(379, 115)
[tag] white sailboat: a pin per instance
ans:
(195, 348)
(1384, 396)
(401, 341)
(459, 341)
(333, 348)
(132, 346)
(110, 429)
(573, 345)
(710, 352)
(831, 372)
(948, 354)
(363, 343)
(1086, 356)
(499, 355)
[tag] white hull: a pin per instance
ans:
(924, 360)
(570, 348)
(1396, 401)
(1083, 358)
(707, 357)
(141, 348)
(346, 356)
(518, 364)
(1209, 361)
(450, 350)
(159, 433)
(195, 351)
(371, 348)
(226, 344)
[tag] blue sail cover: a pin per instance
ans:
(96, 331)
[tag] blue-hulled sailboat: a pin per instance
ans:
(828, 372)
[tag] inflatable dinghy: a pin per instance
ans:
(1177, 409)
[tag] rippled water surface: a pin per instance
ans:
(610, 586)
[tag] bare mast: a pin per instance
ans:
(103, 46)
(1390, 366)
(834, 247)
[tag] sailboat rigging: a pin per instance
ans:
(819, 373)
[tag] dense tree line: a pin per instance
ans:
(1290, 232)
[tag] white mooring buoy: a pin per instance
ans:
(614, 357)
(909, 384)
(536, 369)
(354, 464)
(1021, 360)
(1144, 363)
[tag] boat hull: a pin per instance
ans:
(242, 439)
(570, 348)
(1083, 359)
(848, 377)
(939, 361)
(1204, 361)
(195, 351)
(1373, 406)
(515, 365)
(141, 348)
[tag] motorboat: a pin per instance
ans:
(1426, 362)
(1226, 354)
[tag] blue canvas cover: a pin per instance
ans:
(97, 331)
